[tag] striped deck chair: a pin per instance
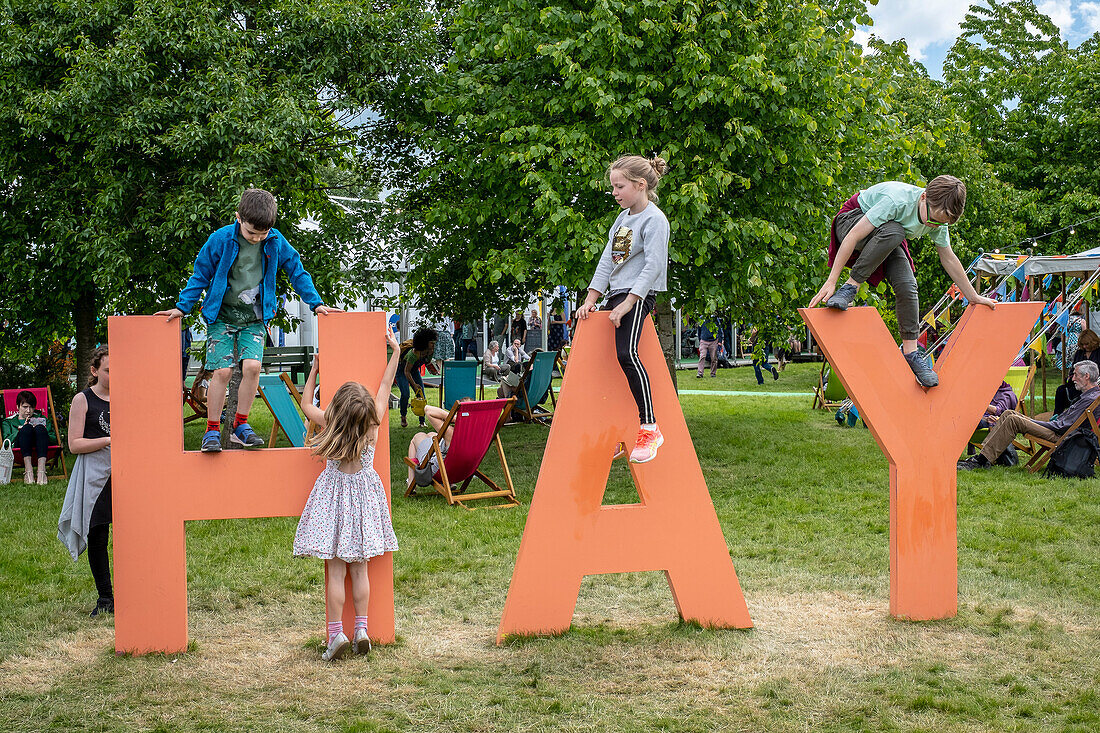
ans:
(476, 429)
(535, 386)
(44, 399)
(1019, 378)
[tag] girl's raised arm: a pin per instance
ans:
(311, 411)
(382, 396)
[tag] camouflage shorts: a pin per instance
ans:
(221, 338)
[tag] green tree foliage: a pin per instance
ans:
(128, 130)
(1034, 105)
(764, 111)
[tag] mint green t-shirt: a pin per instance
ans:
(242, 302)
(900, 202)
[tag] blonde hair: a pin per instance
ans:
(948, 194)
(350, 420)
(636, 168)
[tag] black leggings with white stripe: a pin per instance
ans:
(626, 349)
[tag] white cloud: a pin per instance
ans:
(921, 24)
(1090, 13)
(1059, 12)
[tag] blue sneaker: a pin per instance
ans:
(211, 441)
(244, 435)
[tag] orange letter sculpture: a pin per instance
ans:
(157, 486)
(570, 535)
(922, 432)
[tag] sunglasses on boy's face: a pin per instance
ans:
(928, 220)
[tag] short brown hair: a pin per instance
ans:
(948, 194)
(258, 208)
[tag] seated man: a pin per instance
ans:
(1011, 423)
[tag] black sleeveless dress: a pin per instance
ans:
(97, 424)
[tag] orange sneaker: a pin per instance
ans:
(645, 449)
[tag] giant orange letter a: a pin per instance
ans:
(570, 535)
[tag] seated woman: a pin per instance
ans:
(1003, 401)
(421, 445)
(30, 432)
(1088, 348)
(490, 362)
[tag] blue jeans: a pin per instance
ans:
(403, 385)
(756, 367)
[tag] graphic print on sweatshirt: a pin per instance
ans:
(620, 248)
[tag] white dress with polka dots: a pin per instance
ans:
(346, 515)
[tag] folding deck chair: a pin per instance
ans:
(193, 398)
(1019, 378)
(476, 428)
(457, 381)
(829, 394)
(1041, 449)
(534, 387)
(54, 453)
(276, 391)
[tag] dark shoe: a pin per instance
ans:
(103, 605)
(246, 436)
(404, 422)
(211, 441)
(700, 375)
(922, 370)
(972, 463)
(842, 298)
(1009, 458)
(775, 375)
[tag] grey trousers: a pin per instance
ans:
(1004, 432)
(883, 247)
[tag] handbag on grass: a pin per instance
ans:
(7, 462)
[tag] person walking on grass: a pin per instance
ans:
(85, 521)
(710, 338)
(870, 234)
(237, 268)
(632, 270)
(346, 519)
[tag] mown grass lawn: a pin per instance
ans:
(803, 505)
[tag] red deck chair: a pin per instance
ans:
(54, 454)
(476, 428)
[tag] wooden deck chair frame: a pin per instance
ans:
(59, 457)
(530, 414)
(980, 434)
(1041, 449)
(820, 401)
(276, 424)
(442, 482)
(193, 399)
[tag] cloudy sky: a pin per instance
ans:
(930, 27)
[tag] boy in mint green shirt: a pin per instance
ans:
(870, 234)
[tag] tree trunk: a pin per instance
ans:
(231, 403)
(84, 312)
(666, 334)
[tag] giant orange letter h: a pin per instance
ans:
(157, 486)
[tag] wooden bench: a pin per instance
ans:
(294, 359)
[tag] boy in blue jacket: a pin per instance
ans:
(236, 267)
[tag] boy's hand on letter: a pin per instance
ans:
(172, 314)
(982, 300)
(324, 310)
(584, 310)
(824, 294)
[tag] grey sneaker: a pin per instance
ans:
(337, 647)
(918, 362)
(361, 644)
(244, 435)
(842, 298)
(211, 441)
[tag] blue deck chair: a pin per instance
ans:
(458, 381)
(535, 386)
(276, 391)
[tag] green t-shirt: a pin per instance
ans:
(900, 202)
(242, 303)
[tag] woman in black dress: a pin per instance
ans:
(1088, 349)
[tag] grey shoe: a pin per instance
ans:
(918, 362)
(361, 644)
(842, 298)
(337, 647)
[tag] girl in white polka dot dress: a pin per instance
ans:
(346, 520)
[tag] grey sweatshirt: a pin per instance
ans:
(636, 256)
(1069, 416)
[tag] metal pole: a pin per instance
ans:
(545, 323)
(679, 337)
(1065, 337)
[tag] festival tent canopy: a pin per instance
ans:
(1081, 264)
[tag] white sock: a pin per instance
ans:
(649, 426)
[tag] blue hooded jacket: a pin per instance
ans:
(217, 257)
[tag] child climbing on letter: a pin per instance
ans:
(632, 269)
(870, 233)
(346, 519)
